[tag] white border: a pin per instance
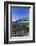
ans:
(30, 37)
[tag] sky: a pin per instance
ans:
(19, 12)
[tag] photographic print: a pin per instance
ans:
(20, 22)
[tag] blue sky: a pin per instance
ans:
(19, 12)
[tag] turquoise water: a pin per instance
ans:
(22, 23)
